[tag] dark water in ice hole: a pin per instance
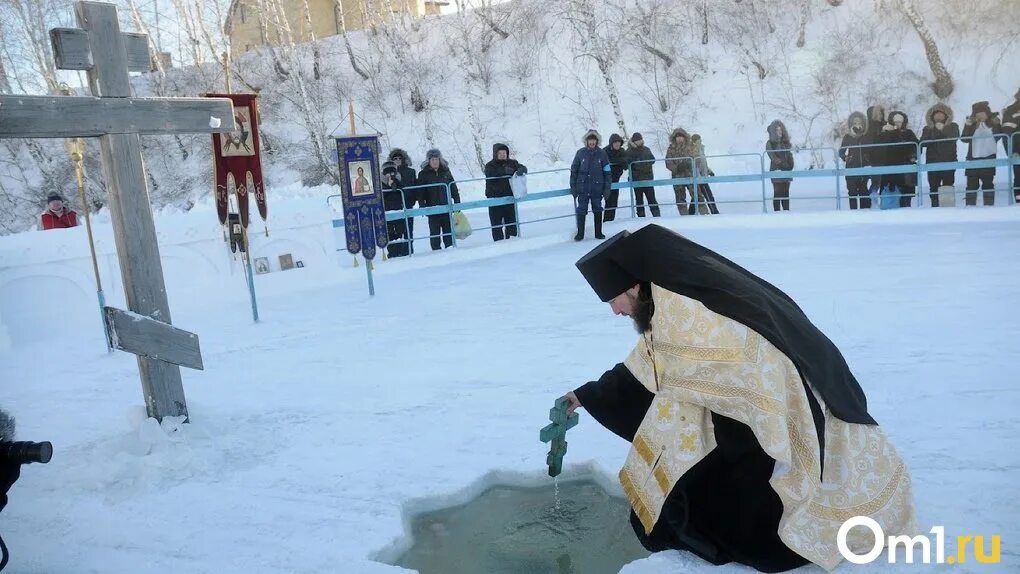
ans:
(517, 530)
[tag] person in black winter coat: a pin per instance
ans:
(982, 126)
(781, 159)
(393, 200)
(497, 184)
(408, 179)
(434, 177)
(939, 125)
(856, 157)
(590, 180)
(898, 148)
(618, 161)
(642, 163)
(876, 121)
(1010, 123)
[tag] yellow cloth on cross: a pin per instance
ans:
(698, 362)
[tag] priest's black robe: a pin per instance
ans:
(723, 509)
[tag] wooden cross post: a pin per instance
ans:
(556, 432)
(117, 119)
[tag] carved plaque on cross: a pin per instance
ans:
(117, 119)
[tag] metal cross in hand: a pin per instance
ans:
(556, 432)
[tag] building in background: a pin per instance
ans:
(246, 29)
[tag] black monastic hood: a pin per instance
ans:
(660, 256)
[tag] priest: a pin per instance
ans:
(750, 438)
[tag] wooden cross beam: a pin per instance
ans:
(107, 55)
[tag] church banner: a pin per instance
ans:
(237, 160)
(361, 192)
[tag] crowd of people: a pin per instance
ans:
(872, 139)
(404, 188)
(880, 139)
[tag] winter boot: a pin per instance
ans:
(598, 225)
(580, 226)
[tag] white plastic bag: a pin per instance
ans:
(519, 185)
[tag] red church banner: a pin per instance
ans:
(237, 160)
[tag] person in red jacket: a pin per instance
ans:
(56, 215)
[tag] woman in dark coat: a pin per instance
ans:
(854, 156)
(897, 138)
(781, 159)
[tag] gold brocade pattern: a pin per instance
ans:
(727, 368)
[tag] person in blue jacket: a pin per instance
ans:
(590, 179)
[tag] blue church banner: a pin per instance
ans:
(361, 192)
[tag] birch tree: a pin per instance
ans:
(596, 37)
(943, 85)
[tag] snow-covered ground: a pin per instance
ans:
(315, 430)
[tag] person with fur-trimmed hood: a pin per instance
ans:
(407, 178)
(498, 172)
(590, 181)
(680, 163)
(939, 125)
(642, 168)
(899, 148)
(853, 157)
(706, 199)
(435, 173)
(1010, 123)
(781, 159)
(981, 127)
(618, 159)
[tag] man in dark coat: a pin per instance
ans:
(939, 125)
(780, 159)
(898, 148)
(981, 128)
(497, 184)
(642, 164)
(745, 421)
(1010, 123)
(408, 180)
(618, 160)
(590, 181)
(435, 179)
(854, 156)
(394, 199)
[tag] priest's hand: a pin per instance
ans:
(574, 403)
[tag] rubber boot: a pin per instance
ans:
(580, 226)
(598, 225)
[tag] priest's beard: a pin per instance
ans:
(644, 308)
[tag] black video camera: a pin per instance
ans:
(26, 452)
(14, 454)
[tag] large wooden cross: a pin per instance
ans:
(117, 119)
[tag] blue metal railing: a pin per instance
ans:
(763, 175)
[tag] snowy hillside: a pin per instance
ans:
(721, 69)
